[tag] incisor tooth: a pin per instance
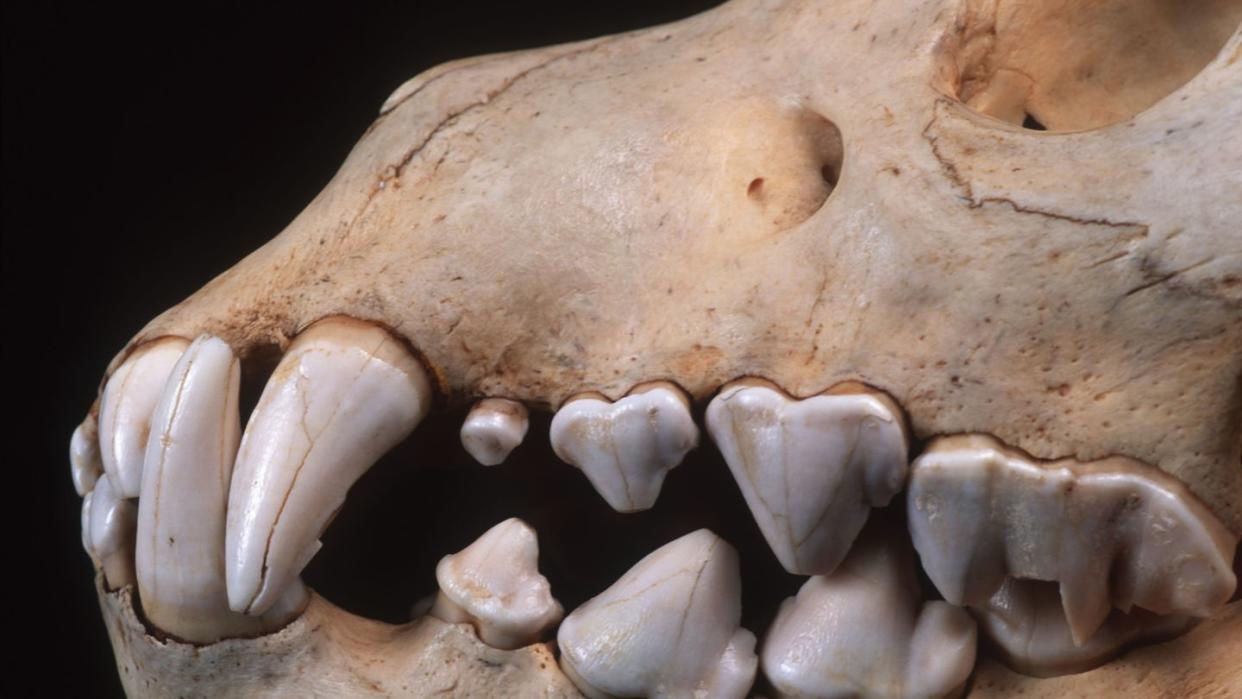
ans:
(626, 448)
(85, 464)
(113, 521)
(811, 469)
(494, 427)
(87, 544)
(667, 628)
(344, 394)
(494, 584)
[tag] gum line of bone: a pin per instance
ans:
(224, 522)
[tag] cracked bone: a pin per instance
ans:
(85, 464)
(113, 520)
(494, 427)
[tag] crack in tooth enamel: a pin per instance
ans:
(344, 394)
(979, 512)
(494, 584)
(125, 411)
(865, 631)
(810, 470)
(626, 448)
(113, 522)
(493, 429)
(85, 464)
(669, 628)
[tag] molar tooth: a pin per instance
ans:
(811, 469)
(344, 394)
(85, 464)
(495, 585)
(125, 412)
(113, 521)
(667, 628)
(626, 448)
(494, 427)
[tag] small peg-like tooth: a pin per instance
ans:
(125, 410)
(667, 628)
(85, 464)
(811, 470)
(113, 521)
(627, 447)
(494, 427)
(494, 584)
(344, 394)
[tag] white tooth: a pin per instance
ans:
(494, 584)
(864, 631)
(125, 411)
(85, 464)
(344, 394)
(494, 427)
(179, 549)
(87, 544)
(812, 469)
(626, 448)
(113, 520)
(1112, 533)
(667, 628)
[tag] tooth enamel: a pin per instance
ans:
(494, 584)
(179, 548)
(125, 411)
(979, 512)
(812, 469)
(344, 394)
(864, 631)
(494, 427)
(113, 521)
(85, 464)
(667, 628)
(626, 448)
(87, 544)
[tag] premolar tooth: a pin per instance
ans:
(85, 464)
(811, 469)
(626, 448)
(495, 585)
(667, 628)
(113, 521)
(125, 412)
(344, 394)
(494, 427)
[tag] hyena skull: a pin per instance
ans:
(975, 261)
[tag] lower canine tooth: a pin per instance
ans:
(667, 628)
(494, 427)
(85, 464)
(113, 521)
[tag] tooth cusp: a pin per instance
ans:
(85, 464)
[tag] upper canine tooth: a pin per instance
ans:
(811, 469)
(85, 464)
(113, 520)
(494, 427)
(344, 394)
(626, 448)
(667, 628)
(979, 512)
(125, 411)
(495, 585)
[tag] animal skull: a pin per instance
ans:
(830, 210)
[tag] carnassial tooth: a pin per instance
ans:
(494, 584)
(179, 549)
(344, 394)
(626, 448)
(1112, 533)
(811, 469)
(113, 521)
(667, 628)
(125, 412)
(864, 631)
(85, 464)
(494, 427)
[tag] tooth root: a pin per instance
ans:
(626, 448)
(493, 429)
(494, 584)
(85, 464)
(344, 394)
(125, 412)
(667, 628)
(811, 470)
(113, 521)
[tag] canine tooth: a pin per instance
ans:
(627, 447)
(494, 584)
(811, 469)
(494, 427)
(864, 631)
(667, 628)
(344, 394)
(113, 520)
(980, 512)
(85, 464)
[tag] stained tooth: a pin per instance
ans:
(667, 628)
(626, 448)
(494, 427)
(1111, 533)
(113, 521)
(125, 411)
(812, 469)
(864, 631)
(495, 585)
(85, 464)
(344, 394)
(180, 543)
